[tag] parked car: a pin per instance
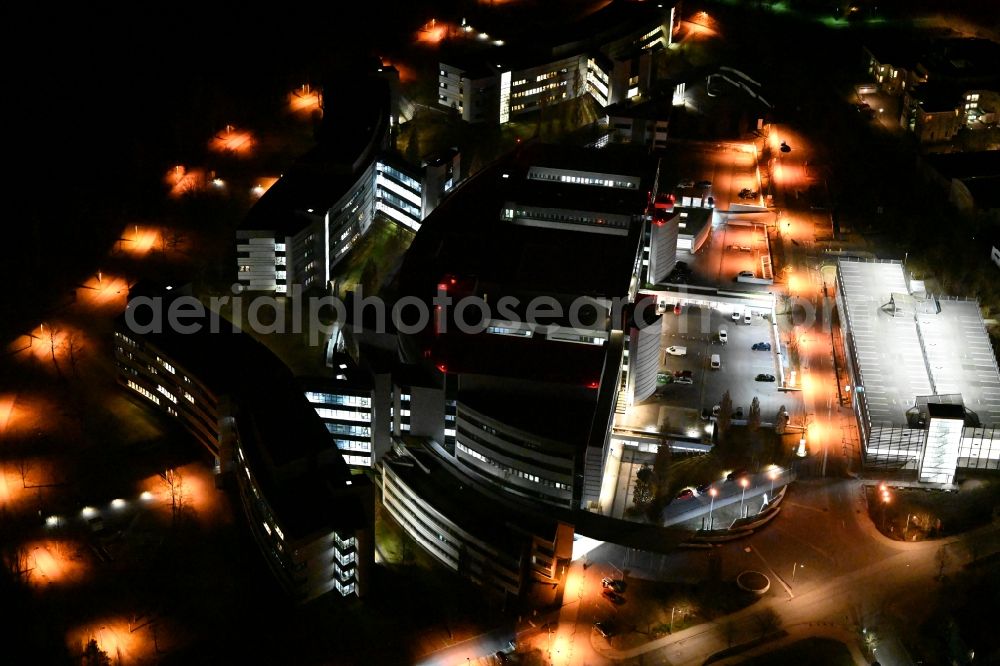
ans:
(715, 362)
(683, 373)
(677, 351)
(785, 148)
(614, 597)
(723, 336)
(747, 317)
(677, 309)
(613, 583)
(706, 414)
(683, 380)
(687, 493)
(736, 315)
(738, 414)
(761, 346)
(738, 474)
(764, 377)
(703, 488)
(687, 182)
(703, 183)
(745, 274)
(606, 629)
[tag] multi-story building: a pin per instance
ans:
(605, 55)
(345, 404)
(501, 550)
(308, 221)
(442, 172)
(945, 85)
(312, 519)
(925, 385)
(546, 222)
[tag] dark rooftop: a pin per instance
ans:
(985, 191)
(466, 236)
(565, 418)
(551, 36)
(278, 426)
(939, 96)
(983, 164)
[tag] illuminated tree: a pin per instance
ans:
(93, 655)
(642, 494)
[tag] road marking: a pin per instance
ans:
(803, 506)
(774, 573)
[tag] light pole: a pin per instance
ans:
(743, 482)
(773, 474)
(711, 524)
(885, 500)
(795, 566)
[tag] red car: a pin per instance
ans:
(677, 309)
(687, 493)
(682, 373)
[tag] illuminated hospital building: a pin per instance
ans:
(311, 518)
(607, 55)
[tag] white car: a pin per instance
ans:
(723, 336)
(687, 182)
(736, 315)
(677, 351)
(683, 380)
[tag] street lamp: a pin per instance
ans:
(773, 474)
(712, 492)
(743, 482)
(885, 500)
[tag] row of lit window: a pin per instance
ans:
(143, 391)
(166, 365)
(343, 414)
(534, 478)
(338, 399)
(534, 91)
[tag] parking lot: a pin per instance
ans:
(696, 330)
(730, 250)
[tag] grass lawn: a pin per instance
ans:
(913, 514)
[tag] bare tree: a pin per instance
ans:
(53, 345)
(767, 622)
(781, 421)
(753, 418)
(174, 481)
(729, 631)
(75, 347)
(17, 564)
(24, 468)
(725, 415)
(941, 559)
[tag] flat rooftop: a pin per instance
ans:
(960, 357)
(921, 347)
(467, 236)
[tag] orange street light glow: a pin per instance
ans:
(54, 561)
(261, 186)
(305, 100)
(113, 635)
(233, 141)
(182, 180)
(433, 32)
(138, 240)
